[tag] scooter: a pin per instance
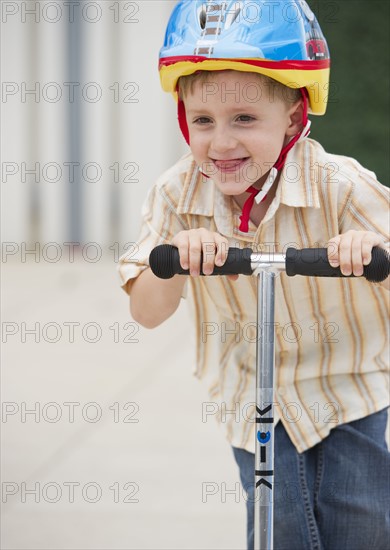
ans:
(165, 263)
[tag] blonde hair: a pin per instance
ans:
(287, 94)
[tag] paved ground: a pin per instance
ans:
(103, 441)
(114, 454)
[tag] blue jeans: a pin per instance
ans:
(334, 496)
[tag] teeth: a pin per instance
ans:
(231, 160)
(230, 163)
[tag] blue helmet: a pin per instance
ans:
(280, 39)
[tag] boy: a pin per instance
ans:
(245, 77)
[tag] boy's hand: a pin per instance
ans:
(191, 244)
(352, 250)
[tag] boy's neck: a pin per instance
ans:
(258, 210)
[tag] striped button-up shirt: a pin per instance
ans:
(331, 335)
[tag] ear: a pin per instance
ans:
(295, 117)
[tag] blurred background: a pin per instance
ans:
(107, 440)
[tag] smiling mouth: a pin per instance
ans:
(230, 165)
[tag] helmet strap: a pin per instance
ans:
(181, 115)
(277, 167)
(306, 123)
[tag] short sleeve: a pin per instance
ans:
(160, 223)
(367, 206)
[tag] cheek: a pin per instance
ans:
(198, 145)
(267, 144)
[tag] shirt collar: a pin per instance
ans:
(197, 195)
(299, 177)
(201, 197)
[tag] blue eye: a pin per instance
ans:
(263, 437)
(245, 118)
(202, 120)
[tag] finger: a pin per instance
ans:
(208, 248)
(184, 256)
(195, 250)
(368, 242)
(182, 244)
(232, 277)
(333, 251)
(222, 250)
(366, 252)
(356, 255)
(345, 254)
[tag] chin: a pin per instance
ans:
(232, 189)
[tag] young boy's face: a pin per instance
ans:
(237, 129)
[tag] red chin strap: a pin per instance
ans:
(258, 195)
(298, 137)
(181, 115)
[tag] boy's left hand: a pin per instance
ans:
(352, 250)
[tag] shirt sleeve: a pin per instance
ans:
(160, 223)
(367, 206)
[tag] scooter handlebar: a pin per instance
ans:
(314, 262)
(164, 261)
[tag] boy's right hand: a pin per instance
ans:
(194, 242)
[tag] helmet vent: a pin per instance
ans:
(237, 13)
(202, 17)
(232, 17)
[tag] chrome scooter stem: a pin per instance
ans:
(264, 438)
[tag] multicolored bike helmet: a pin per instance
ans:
(279, 39)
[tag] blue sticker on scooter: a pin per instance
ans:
(263, 437)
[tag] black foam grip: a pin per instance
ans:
(164, 261)
(314, 262)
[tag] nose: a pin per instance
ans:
(222, 141)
